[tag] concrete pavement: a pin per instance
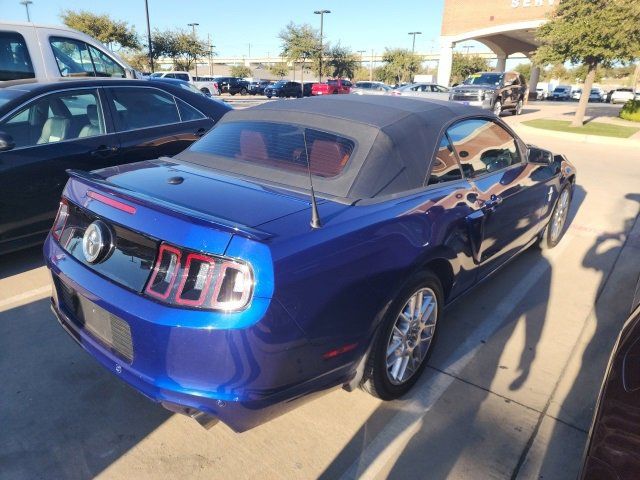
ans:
(508, 394)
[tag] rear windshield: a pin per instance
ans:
(15, 63)
(279, 146)
(332, 82)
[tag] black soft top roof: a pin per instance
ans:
(395, 141)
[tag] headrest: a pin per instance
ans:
(92, 115)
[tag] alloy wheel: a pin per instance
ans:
(411, 336)
(560, 215)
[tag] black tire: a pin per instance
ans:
(268, 96)
(376, 378)
(206, 91)
(243, 91)
(547, 241)
(232, 93)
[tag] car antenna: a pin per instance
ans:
(315, 218)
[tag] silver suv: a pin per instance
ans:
(49, 52)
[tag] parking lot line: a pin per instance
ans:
(407, 422)
(36, 292)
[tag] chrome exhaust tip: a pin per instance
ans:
(205, 420)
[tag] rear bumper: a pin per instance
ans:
(243, 376)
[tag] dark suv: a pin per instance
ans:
(232, 85)
(495, 91)
(257, 86)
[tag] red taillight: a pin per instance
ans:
(61, 219)
(339, 351)
(203, 281)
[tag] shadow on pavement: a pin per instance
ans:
(61, 414)
(21, 261)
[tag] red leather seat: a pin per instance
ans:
(327, 158)
(252, 146)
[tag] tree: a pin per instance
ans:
(182, 47)
(342, 62)
(240, 71)
(279, 69)
(465, 65)
(400, 65)
(102, 28)
(138, 60)
(593, 33)
(557, 71)
(299, 42)
(524, 69)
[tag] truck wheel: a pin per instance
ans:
(405, 338)
(497, 107)
(243, 91)
(206, 91)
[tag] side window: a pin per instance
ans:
(483, 147)
(445, 167)
(438, 88)
(182, 76)
(139, 107)
(15, 62)
(73, 57)
(56, 118)
(105, 65)
(169, 75)
(187, 112)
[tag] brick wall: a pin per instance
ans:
(462, 16)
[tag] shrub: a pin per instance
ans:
(631, 111)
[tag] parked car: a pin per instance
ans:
(541, 93)
(230, 285)
(370, 88)
(233, 85)
(206, 85)
(493, 91)
(331, 87)
(561, 92)
(614, 436)
(596, 95)
(46, 128)
(257, 86)
(576, 93)
(179, 83)
(425, 90)
(622, 95)
(283, 89)
(31, 51)
(307, 89)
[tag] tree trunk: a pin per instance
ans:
(578, 119)
(636, 78)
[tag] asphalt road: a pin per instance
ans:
(509, 391)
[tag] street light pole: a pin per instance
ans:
(321, 13)
(26, 4)
(371, 67)
(193, 29)
(413, 47)
(146, 8)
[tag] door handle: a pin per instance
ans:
(492, 203)
(105, 151)
(200, 132)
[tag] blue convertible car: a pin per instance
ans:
(297, 247)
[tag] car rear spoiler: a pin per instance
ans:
(89, 178)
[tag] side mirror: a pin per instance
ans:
(6, 142)
(539, 156)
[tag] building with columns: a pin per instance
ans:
(505, 26)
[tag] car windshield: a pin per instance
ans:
(484, 79)
(332, 82)
(559, 89)
(281, 83)
(278, 146)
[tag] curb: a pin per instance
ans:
(577, 137)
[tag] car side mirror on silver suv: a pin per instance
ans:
(6, 142)
(539, 156)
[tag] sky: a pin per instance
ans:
(358, 24)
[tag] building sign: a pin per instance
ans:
(532, 3)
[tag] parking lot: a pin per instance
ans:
(509, 391)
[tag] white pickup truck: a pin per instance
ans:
(206, 85)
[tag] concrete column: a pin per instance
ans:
(533, 81)
(445, 62)
(501, 66)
